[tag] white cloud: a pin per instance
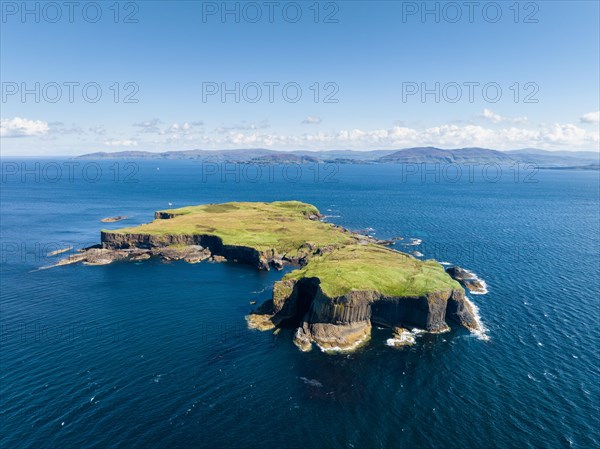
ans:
(177, 130)
(243, 126)
(565, 134)
(312, 120)
(590, 117)
(21, 127)
(61, 128)
(149, 126)
(184, 132)
(497, 118)
(555, 136)
(98, 130)
(121, 143)
(562, 136)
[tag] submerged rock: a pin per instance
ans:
(59, 251)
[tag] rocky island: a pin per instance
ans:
(344, 283)
(114, 219)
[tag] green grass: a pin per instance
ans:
(375, 268)
(283, 226)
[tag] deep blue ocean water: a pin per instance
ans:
(151, 354)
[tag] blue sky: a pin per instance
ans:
(371, 58)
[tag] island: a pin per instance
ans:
(344, 282)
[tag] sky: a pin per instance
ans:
(82, 77)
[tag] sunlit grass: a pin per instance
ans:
(375, 268)
(282, 226)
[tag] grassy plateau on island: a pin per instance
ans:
(375, 268)
(283, 225)
(288, 228)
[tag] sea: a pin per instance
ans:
(158, 355)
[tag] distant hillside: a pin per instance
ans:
(556, 158)
(588, 160)
(204, 155)
(286, 158)
(351, 155)
(437, 155)
(246, 155)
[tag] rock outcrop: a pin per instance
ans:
(468, 280)
(98, 255)
(113, 219)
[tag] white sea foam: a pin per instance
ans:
(484, 285)
(335, 349)
(405, 338)
(445, 263)
(311, 382)
(480, 331)
(474, 277)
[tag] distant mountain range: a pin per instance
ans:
(429, 155)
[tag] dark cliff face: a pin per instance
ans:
(414, 311)
(243, 254)
(113, 240)
(340, 322)
(163, 215)
(461, 311)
